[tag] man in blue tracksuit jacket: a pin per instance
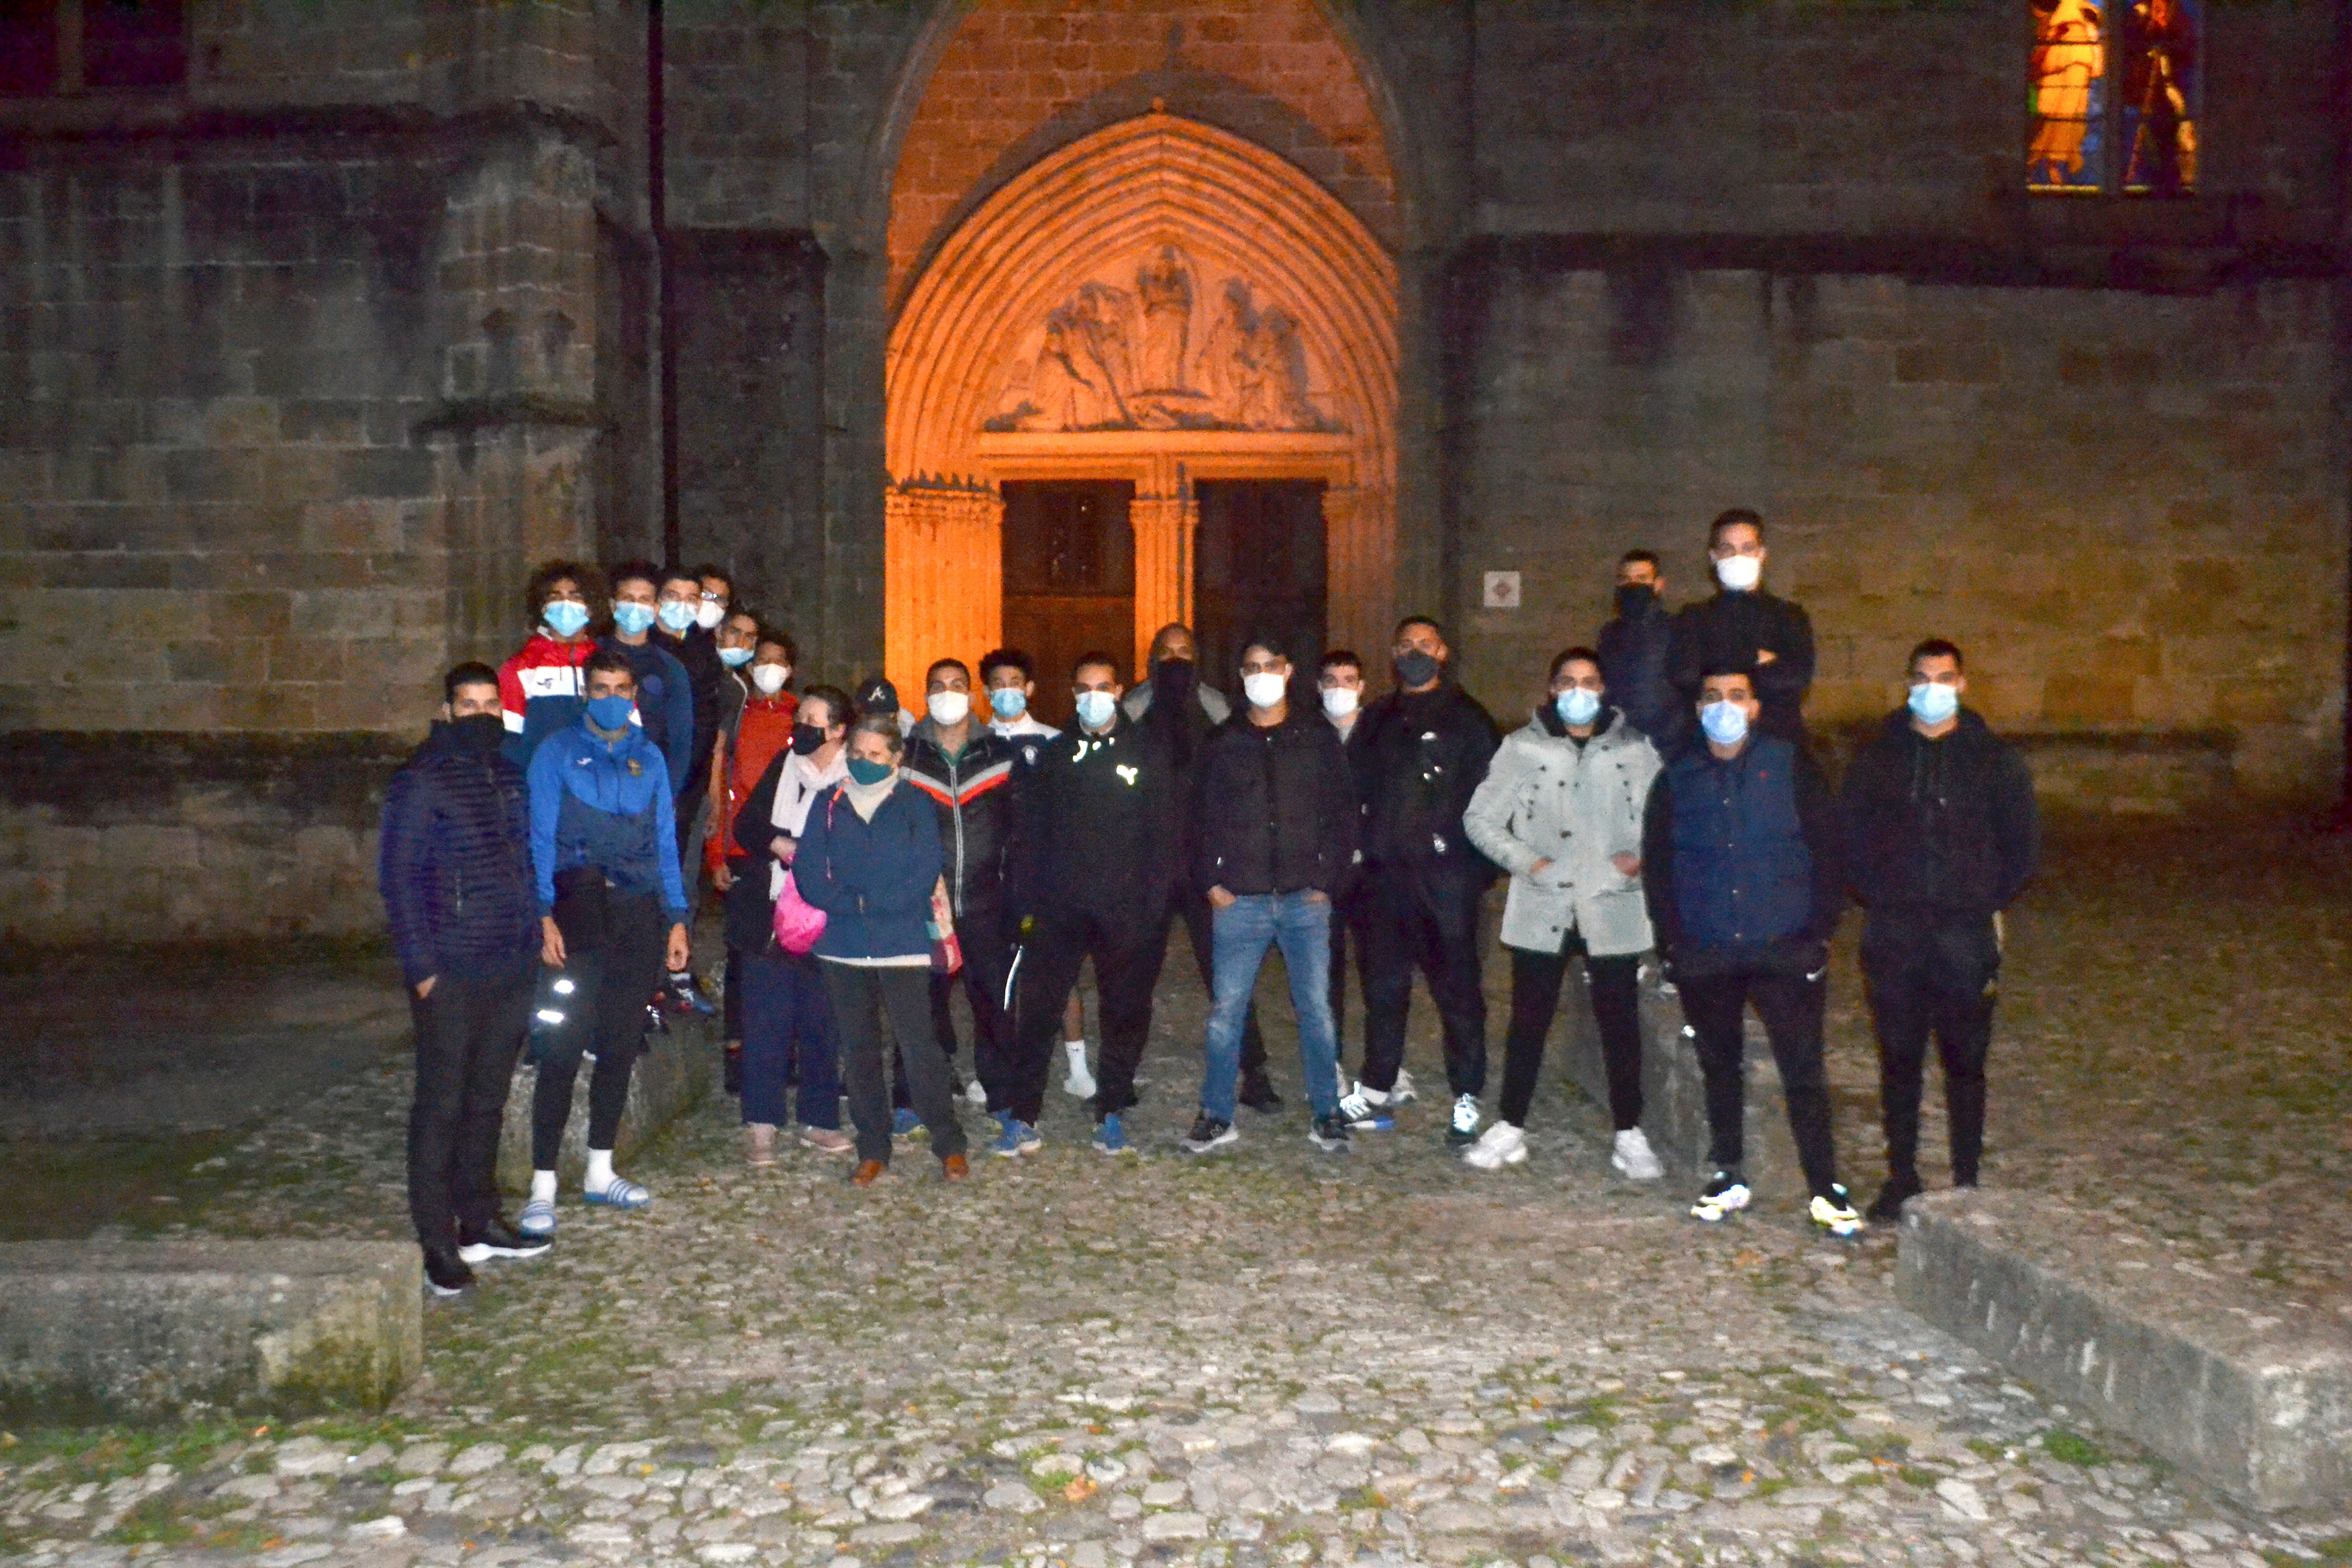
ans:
(1741, 869)
(603, 849)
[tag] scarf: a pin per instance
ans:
(867, 799)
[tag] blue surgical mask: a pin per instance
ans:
(734, 658)
(1932, 701)
(1725, 724)
(633, 620)
(676, 615)
(564, 619)
(611, 712)
(1577, 706)
(866, 770)
(1008, 702)
(1095, 708)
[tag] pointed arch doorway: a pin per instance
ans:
(1154, 308)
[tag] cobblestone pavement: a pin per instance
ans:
(1275, 1356)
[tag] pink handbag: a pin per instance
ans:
(798, 922)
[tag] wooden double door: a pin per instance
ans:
(1257, 567)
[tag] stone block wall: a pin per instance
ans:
(2128, 507)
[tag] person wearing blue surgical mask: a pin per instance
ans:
(612, 907)
(664, 693)
(1743, 873)
(1561, 810)
(538, 685)
(1942, 834)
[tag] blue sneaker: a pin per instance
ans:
(1009, 1143)
(1110, 1136)
(905, 1123)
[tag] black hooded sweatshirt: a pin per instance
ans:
(1946, 826)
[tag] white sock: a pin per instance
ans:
(1075, 1048)
(542, 1186)
(600, 1171)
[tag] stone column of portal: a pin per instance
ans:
(944, 571)
(1163, 524)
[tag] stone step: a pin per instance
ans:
(2237, 1388)
(678, 1071)
(94, 1332)
(1674, 1091)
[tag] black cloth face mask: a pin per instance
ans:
(1414, 666)
(480, 733)
(807, 740)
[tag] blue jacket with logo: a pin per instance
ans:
(1740, 857)
(604, 804)
(665, 704)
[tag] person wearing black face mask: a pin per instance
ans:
(1202, 708)
(1423, 752)
(1633, 650)
(455, 872)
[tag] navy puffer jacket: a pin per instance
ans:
(1741, 856)
(455, 864)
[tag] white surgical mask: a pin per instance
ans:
(1739, 572)
(1340, 701)
(771, 678)
(1577, 706)
(1725, 724)
(708, 613)
(1264, 689)
(949, 708)
(1095, 708)
(1933, 703)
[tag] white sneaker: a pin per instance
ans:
(1464, 1125)
(1401, 1092)
(1080, 1083)
(1501, 1144)
(1634, 1159)
(1367, 1109)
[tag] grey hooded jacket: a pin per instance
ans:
(1545, 797)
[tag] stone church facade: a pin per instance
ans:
(2023, 323)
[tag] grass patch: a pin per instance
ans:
(2072, 1449)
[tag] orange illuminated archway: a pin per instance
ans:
(1159, 301)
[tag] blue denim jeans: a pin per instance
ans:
(1301, 924)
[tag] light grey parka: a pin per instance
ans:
(1546, 798)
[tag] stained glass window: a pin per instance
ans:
(2113, 92)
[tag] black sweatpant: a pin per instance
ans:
(987, 956)
(1931, 971)
(860, 994)
(1201, 929)
(1128, 947)
(614, 972)
(1350, 914)
(468, 1032)
(1432, 923)
(1791, 1007)
(1536, 980)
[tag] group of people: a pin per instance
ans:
(544, 850)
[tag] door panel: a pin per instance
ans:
(1070, 579)
(1258, 570)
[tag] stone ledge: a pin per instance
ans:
(678, 1071)
(2252, 1403)
(99, 1331)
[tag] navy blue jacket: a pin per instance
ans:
(873, 880)
(455, 864)
(1633, 651)
(1741, 857)
(665, 705)
(604, 804)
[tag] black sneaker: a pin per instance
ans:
(1258, 1094)
(1329, 1133)
(494, 1238)
(1208, 1133)
(446, 1273)
(1887, 1207)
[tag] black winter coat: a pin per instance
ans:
(1948, 825)
(1419, 758)
(1274, 808)
(1100, 825)
(975, 792)
(1729, 629)
(1635, 649)
(455, 863)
